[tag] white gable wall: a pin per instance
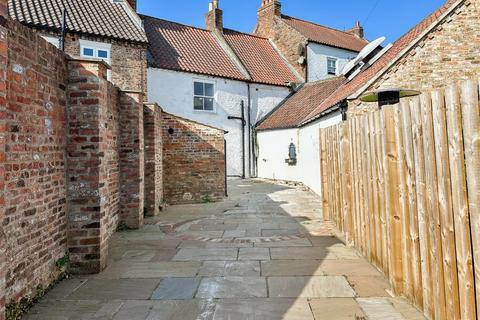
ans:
(317, 60)
(173, 91)
(273, 151)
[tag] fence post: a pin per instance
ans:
(471, 134)
(463, 240)
(393, 205)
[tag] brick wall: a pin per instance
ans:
(152, 123)
(449, 53)
(193, 161)
(3, 102)
(67, 179)
(35, 197)
(131, 159)
(128, 62)
(289, 41)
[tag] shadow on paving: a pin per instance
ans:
(262, 254)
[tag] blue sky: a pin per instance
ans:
(390, 18)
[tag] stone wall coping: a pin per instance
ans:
(153, 105)
(91, 60)
(196, 122)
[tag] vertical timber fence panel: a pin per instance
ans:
(403, 184)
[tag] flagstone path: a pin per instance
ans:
(262, 254)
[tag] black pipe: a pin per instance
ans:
(63, 30)
(242, 118)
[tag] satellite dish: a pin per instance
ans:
(369, 48)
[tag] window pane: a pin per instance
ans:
(198, 88)
(208, 104)
(198, 103)
(103, 54)
(208, 89)
(88, 52)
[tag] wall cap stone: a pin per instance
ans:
(91, 60)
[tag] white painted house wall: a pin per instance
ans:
(273, 148)
(317, 60)
(173, 91)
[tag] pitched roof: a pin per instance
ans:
(262, 61)
(301, 104)
(103, 18)
(324, 35)
(179, 47)
(349, 88)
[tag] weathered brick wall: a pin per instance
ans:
(289, 41)
(193, 161)
(35, 197)
(152, 123)
(3, 102)
(450, 53)
(93, 187)
(128, 62)
(131, 159)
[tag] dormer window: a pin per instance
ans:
(332, 66)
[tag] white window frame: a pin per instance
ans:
(98, 46)
(329, 59)
(213, 97)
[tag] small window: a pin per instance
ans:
(203, 99)
(332, 66)
(88, 52)
(103, 54)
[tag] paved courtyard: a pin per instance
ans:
(263, 254)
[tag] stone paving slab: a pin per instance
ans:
(310, 287)
(145, 270)
(337, 309)
(254, 254)
(369, 286)
(302, 242)
(263, 309)
(291, 268)
(232, 287)
(379, 309)
(118, 289)
(217, 254)
(358, 267)
(176, 289)
(312, 253)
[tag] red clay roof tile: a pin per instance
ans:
(298, 106)
(179, 47)
(102, 18)
(262, 61)
(327, 36)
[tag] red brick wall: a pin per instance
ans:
(152, 123)
(35, 196)
(3, 94)
(193, 161)
(131, 159)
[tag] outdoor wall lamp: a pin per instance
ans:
(292, 155)
(388, 96)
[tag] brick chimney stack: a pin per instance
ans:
(214, 17)
(268, 12)
(357, 30)
(133, 4)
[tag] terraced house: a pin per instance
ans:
(220, 76)
(100, 29)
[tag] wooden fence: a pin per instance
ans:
(403, 184)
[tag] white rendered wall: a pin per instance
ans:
(317, 60)
(273, 150)
(173, 91)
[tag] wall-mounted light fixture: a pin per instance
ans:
(388, 96)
